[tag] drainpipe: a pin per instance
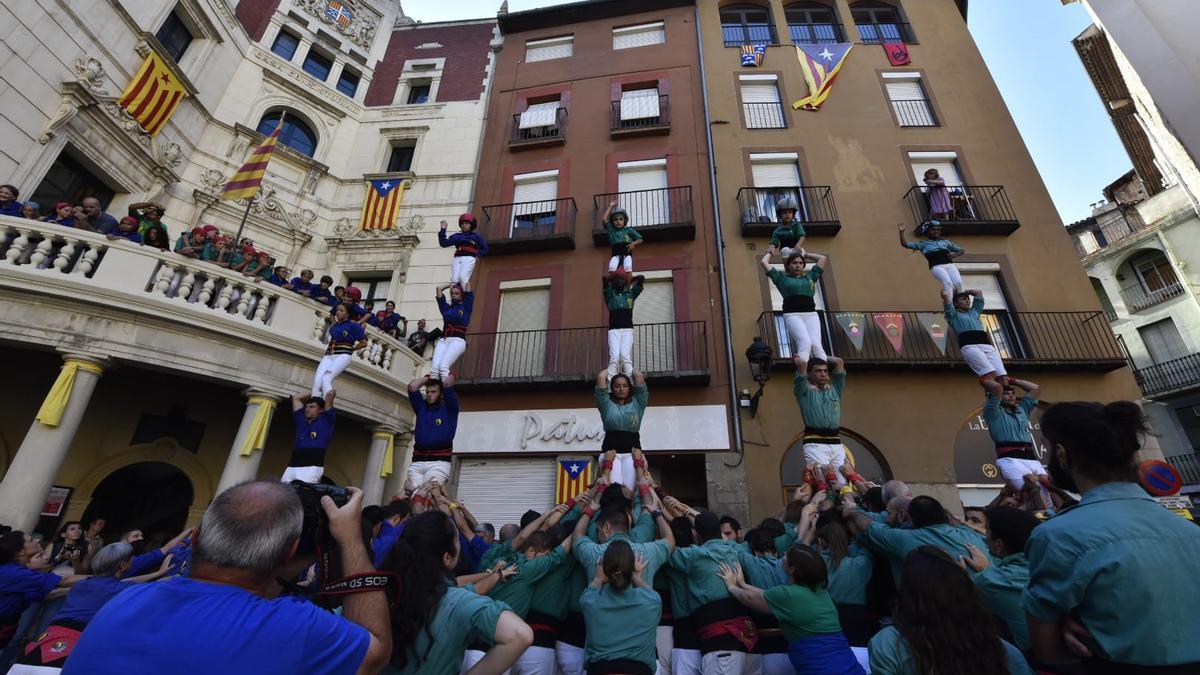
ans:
(734, 410)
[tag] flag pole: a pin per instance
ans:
(237, 239)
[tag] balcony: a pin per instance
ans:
(1092, 241)
(640, 117)
(917, 112)
(536, 133)
(668, 353)
(659, 215)
(1169, 376)
(530, 226)
(1065, 341)
(815, 33)
(817, 211)
(976, 209)
(738, 34)
(881, 33)
(764, 115)
(1137, 297)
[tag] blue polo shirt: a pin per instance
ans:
(20, 586)
(299, 285)
(457, 313)
(314, 435)
(185, 625)
(106, 224)
(131, 235)
(12, 208)
(88, 596)
(144, 563)
(436, 425)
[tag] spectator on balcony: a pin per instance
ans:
(149, 214)
(259, 266)
(1008, 425)
(619, 299)
(939, 253)
(1115, 549)
(63, 215)
(214, 249)
(337, 296)
(97, 220)
(940, 204)
(456, 316)
(788, 235)
(302, 284)
(390, 322)
(192, 244)
(468, 245)
(622, 402)
(419, 339)
(31, 210)
(974, 342)
(157, 237)
(234, 258)
(346, 336)
(798, 289)
(350, 298)
(433, 434)
(9, 206)
(279, 277)
(320, 291)
(622, 238)
(369, 317)
(127, 229)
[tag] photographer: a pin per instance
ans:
(223, 618)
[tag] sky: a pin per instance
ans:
(1027, 47)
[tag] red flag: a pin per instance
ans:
(897, 53)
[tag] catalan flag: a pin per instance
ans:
(152, 94)
(246, 181)
(574, 477)
(752, 55)
(382, 203)
(820, 68)
(339, 13)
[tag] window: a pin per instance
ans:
(69, 181)
(544, 114)
(418, 92)
(654, 330)
(401, 158)
(1163, 341)
(317, 64)
(812, 23)
(1087, 242)
(348, 82)
(285, 44)
(760, 102)
(295, 134)
(781, 333)
(1155, 272)
(1153, 281)
(643, 35)
(552, 48)
(996, 319)
(640, 107)
(643, 188)
(374, 288)
(747, 24)
(174, 36)
(961, 205)
(524, 318)
(908, 99)
(535, 209)
(879, 22)
(776, 175)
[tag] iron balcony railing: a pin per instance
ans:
(1173, 375)
(736, 35)
(1050, 340)
(815, 33)
(880, 33)
(974, 209)
(1106, 235)
(534, 133)
(675, 351)
(530, 226)
(759, 212)
(1137, 297)
(658, 214)
(1188, 466)
(764, 115)
(915, 112)
(640, 113)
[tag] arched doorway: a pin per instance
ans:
(150, 496)
(866, 458)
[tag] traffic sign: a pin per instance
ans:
(1159, 478)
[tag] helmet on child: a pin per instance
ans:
(353, 293)
(787, 203)
(619, 211)
(928, 225)
(468, 218)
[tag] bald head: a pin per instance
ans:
(250, 527)
(895, 488)
(897, 511)
(509, 532)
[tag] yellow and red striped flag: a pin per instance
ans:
(246, 181)
(574, 477)
(152, 94)
(382, 203)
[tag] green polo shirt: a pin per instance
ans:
(848, 583)
(1119, 561)
(497, 552)
(614, 299)
(517, 592)
(762, 571)
(588, 552)
(551, 594)
(822, 408)
(627, 417)
(792, 232)
(896, 543)
(802, 611)
(462, 618)
(1000, 587)
(789, 285)
(969, 320)
(623, 236)
(621, 624)
(700, 564)
(682, 604)
(209, 253)
(184, 241)
(890, 656)
(1005, 426)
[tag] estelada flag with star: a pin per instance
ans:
(382, 203)
(152, 94)
(820, 64)
(574, 477)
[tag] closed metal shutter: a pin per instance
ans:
(759, 116)
(777, 172)
(905, 90)
(654, 329)
(544, 50)
(499, 491)
(539, 115)
(909, 102)
(521, 344)
(1163, 341)
(760, 93)
(645, 208)
(639, 103)
(639, 36)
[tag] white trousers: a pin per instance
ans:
(445, 353)
(570, 658)
(826, 453)
(948, 276)
(535, 661)
(461, 267)
(724, 663)
(308, 474)
(422, 473)
(663, 642)
(330, 367)
(1014, 469)
(473, 656)
(623, 471)
(804, 331)
(620, 351)
(623, 261)
(983, 360)
(685, 662)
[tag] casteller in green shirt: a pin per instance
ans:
(822, 408)
(1000, 586)
(802, 611)
(462, 618)
(517, 591)
(627, 417)
(621, 624)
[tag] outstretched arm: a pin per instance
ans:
(750, 596)
(608, 212)
(903, 240)
(297, 402)
(529, 530)
(766, 262)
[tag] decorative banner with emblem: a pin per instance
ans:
(934, 324)
(897, 53)
(853, 324)
(892, 325)
(753, 55)
(574, 477)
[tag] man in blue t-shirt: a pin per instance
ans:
(220, 619)
(314, 430)
(433, 435)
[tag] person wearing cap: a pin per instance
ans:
(939, 253)
(63, 215)
(468, 245)
(788, 236)
(622, 238)
(214, 249)
(126, 229)
(192, 244)
(259, 266)
(9, 206)
(350, 299)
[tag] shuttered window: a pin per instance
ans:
(639, 104)
(534, 210)
(996, 320)
(540, 115)
(643, 191)
(945, 163)
(1163, 341)
(784, 340)
(760, 102)
(553, 48)
(521, 345)
(775, 170)
(500, 490)
(642, 35)
(654, 334)
(909, 101)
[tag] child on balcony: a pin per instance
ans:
(619, 299)
(798, 289)
(623, 239)
(321, 291)
(456, 316)
(789, 235)
(468, 245)
(127, 229)
(940, 204)
(940, 254)
(389, 321)
(302, 284)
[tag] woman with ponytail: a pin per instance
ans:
(1115, 552)
(433, 621)
(621, 611)
(850, 567)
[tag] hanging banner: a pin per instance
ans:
(897, 53)
(892, 325)
(853, 323)
(935, 325)
(753, 55)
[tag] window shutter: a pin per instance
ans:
(500, 490)
(639, 36)
(947, 169)
(1163, 341)
(644, 208)
(905, 90)
(545, 50)
(535, 195)
(760, 93)
(774, 174)
(654, 332)
(989, 283)
(521, 344)
(540, 115)
(639, 104)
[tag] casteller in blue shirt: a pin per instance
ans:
(186, 625)
(89, 596)
(433, 435)
(20, 587)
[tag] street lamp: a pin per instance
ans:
(759, 356)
